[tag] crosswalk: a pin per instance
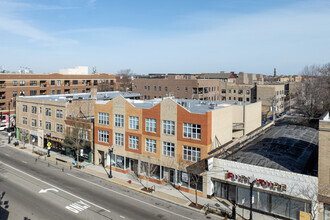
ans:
(77, 207)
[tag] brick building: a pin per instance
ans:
(170, 134)
(183, 86)
(13, 85)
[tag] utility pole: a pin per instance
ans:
(273, 108)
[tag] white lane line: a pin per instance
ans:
(24, 161)
(100, 207)
(122, 216)
(130, 197)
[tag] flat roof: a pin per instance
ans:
(191, 105)
(84, 96)
(285, 147)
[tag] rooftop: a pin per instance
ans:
(84, 96)
(191, 105)
(284, 147)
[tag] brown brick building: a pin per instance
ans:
(182, 86)
(12, 85)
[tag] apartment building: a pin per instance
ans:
(13, 85)
(324, 167)
(171, 134)
(269, 95)
(233, 77)
(232, 92)
(43, 119)
(183, 86)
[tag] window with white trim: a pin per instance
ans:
(83, 134)
(169, 127)
(48, 112)
(168, 149)
(191, 153)
(103, 118)
(34, 122)
(25, 121)
(24, 108)
(151, 125)
(59, 113)
(103, 136)
(119, 139)
(48, 125)
(192, 131)
(59, 128)
(133, 142)
(133, 122)
(150, 145)
(119, 120)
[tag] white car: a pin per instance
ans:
(3, 127)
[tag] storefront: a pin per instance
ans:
(34, 138)
(276, 193)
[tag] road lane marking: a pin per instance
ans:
(130, 197)
(122, 216)
(77, 207)
(46, 190)
(24, 161)
(58, 188)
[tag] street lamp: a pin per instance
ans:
(251, 181)
(9, 134)
(110, 150)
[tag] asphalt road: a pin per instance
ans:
(34, 190)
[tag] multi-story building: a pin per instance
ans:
(183, 86)
(13, 84)
(324, 167)
(170, 134)
(269, 95)
(232, 92)
(43, 119)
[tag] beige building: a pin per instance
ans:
(183, 86)
(231, 92)
(43, 119)
(271, 95)
(171, 134)
(324, 167)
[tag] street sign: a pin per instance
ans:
(252, 199)
(49, 144)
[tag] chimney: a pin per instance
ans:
(94, 93)
(274, 72)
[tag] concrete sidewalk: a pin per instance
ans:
(162, 191)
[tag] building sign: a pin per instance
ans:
(209, 164)
(258, 182)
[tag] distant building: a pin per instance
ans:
(13, 85)
(182, 86)
(78, 70)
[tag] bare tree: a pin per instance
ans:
(196, 171)
(312, 98)
(125, 79)
(148, 169)
(76, 137)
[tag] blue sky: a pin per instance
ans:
(172, 36)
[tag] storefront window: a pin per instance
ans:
(243, 196)
(195, 179)
(120, 162)
(261, 201)
(296, 207)
(280, 205)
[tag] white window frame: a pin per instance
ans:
(169, 127)
(134, 122)
(83, 134)
(167, 149)
(151, 145)
(59, 113)
(58, 82)
(192, 131)
(59, 128)
(192, 154)
(119, 120)
(25, 121)
(35, 109)
(103, 136)
(151, 125)
(133, 142)
(119, 139)
(48, 125)
(25, 108)
(103, 118)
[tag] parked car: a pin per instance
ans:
(3, 127)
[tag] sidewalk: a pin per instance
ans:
(162, 191)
